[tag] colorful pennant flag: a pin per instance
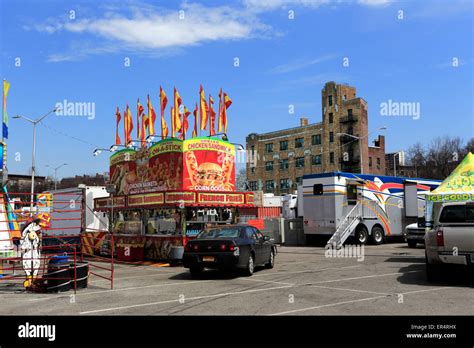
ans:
(118, 117)
(185, 127)
(129, 121)
(227, 102)
(177, 115)
(163, 103)
(6, 88)
(195, 130)
(203, 109)
(151, 117)
(212, 117)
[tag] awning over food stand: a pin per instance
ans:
(457, 187)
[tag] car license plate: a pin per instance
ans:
(208, 258)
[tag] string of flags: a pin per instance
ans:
(204, 115)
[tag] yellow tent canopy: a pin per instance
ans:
(458, 186)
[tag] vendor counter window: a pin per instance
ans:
(129, 222)
(162, 222)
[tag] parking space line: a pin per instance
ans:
(125, 289)
(329, 305)
(186, 299)
(266, 281)
(360, 300)
(363, 277)
(354, 290)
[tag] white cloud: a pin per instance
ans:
(149, 29)
(374, 3)
(299, 64)
(268, 5)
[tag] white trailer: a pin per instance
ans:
(369, 207)
(73, 210)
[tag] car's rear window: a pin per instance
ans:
(457, 214)
(228, 232)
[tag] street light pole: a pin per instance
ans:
(33, 157)
(56, 174)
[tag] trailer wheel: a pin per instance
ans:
(377, 235)
(362, 235)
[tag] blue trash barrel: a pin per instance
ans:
(58, 276)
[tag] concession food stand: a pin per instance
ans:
(169, 192)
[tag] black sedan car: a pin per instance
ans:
(229, 247)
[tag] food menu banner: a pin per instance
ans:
(146, 199)
(197, 164)
(123, 170)
(165, 165)
(221, 198)
(208, 165)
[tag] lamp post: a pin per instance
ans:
(56, 173)
(395, 162)
(34, 123)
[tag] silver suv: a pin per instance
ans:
(451, 240)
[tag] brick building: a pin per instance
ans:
(278, 160)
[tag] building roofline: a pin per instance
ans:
(287, 129)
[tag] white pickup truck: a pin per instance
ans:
(451, 240)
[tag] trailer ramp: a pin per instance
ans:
(346, 227)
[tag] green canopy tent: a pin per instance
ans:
(457, 187)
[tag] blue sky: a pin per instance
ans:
(282, 62)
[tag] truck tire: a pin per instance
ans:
(411, 243)
(362, 235)
(377, 236)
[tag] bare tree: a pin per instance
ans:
(439, 158)
(241, 180)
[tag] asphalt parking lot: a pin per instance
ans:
(389, 281)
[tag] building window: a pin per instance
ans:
(378, 163)
(283, 145)
(344, 97)
(330, 100)
(331, 157)
(269, 166)
(269, 147)
(269, 185)
(252, 170)
(299, 162)
(370, 161)
(331, 117)
(284, 184)
(316, 139)
(316, 160)
(299, 142)
(284, 164)
(331, 137)
(253, 185)
(349, 113)
(298, 180)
